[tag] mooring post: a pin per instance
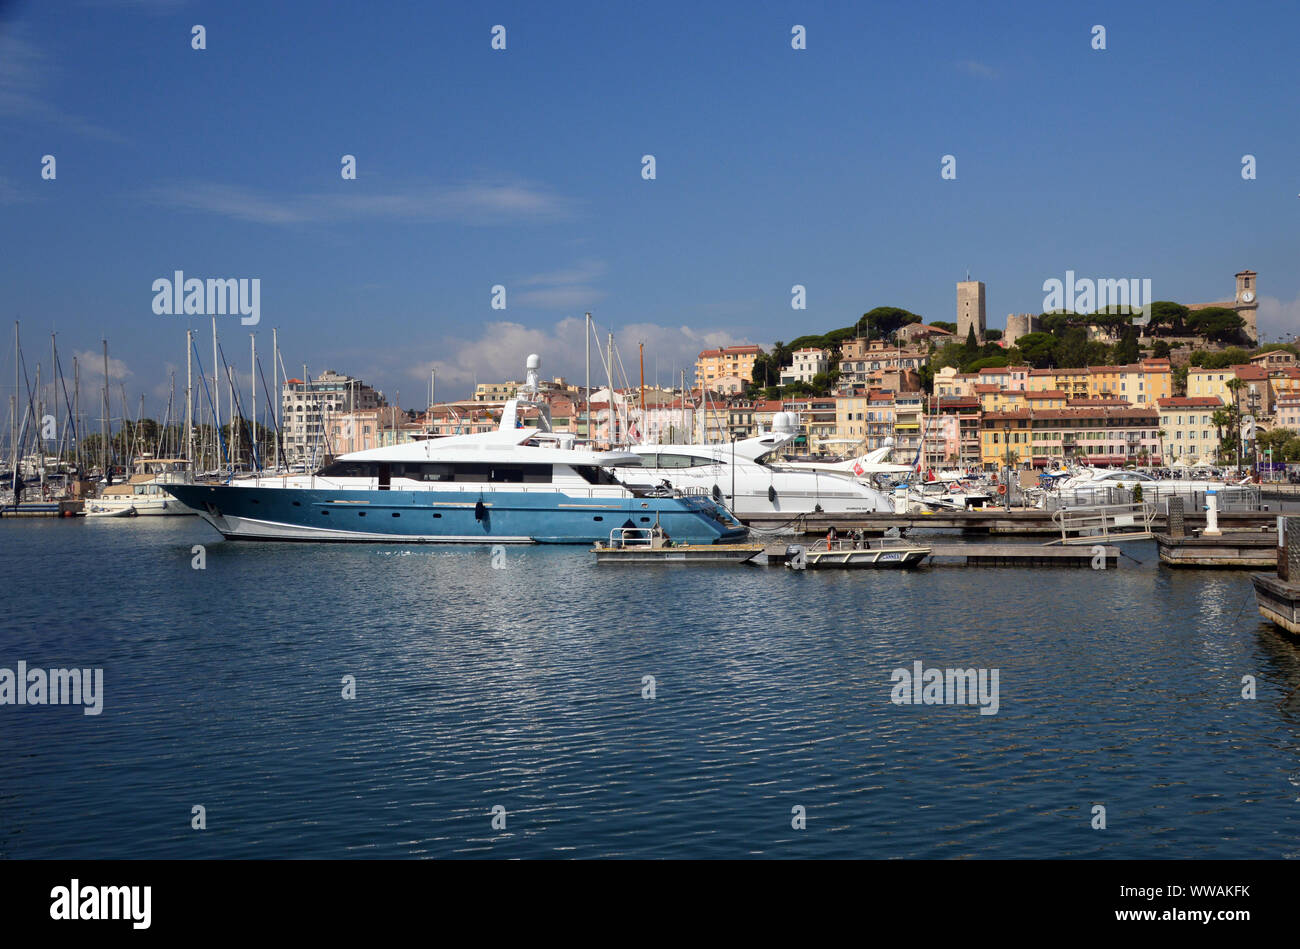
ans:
(1212, 513)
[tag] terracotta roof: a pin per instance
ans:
(731, 350)
(1190, 402)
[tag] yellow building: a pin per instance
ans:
(1045, 399)
(1255, 395)
(495, 391)
(1073, 382)
(994, 398)
(851, 416)
(1002, 433)
(1188, 430)
(714, 365)
(1142, 383)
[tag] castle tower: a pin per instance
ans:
(970, 309)
(1247, 302)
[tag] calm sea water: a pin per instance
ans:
(522, 687)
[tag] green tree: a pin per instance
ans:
(883, 321)
(1038, 349)
(1127, 352)
(1221, 419)
(1217, 323)
(1164, 314)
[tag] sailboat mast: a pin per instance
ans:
(609, 380)
(76, 411)
(641, 351)
(189, 397)
(103, 420)
(216, 397)
(252, 431)
(13, 412)
(587, 413)
(275, 393)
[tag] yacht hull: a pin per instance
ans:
(446, 517)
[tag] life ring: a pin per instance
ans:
(1002, 489)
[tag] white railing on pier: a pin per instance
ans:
(1105, 523)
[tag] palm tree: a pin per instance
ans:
(1235, 385)
(1160, 435)
(1221, 419)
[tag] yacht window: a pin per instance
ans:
(677, 461)
(350, 469)
(593, 474)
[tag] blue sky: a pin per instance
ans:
(522, 168)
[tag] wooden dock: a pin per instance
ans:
(1025, 555)
(1232, 548)
(995, 555)
(1024, 522)
(67, 508)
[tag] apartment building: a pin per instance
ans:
(1141, 383)
(729, 364)
(1073, 382)
(1113, 434)
(1187, 429)
(1255, 396)
(807, 364)
(308, 409)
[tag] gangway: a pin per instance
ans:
(1105, 523)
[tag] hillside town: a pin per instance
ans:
(1170, 390)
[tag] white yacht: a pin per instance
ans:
(514, 485)
(739, 476)
(1086, 485)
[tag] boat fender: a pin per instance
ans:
(771, 493)
(480, 510)
(717, 493)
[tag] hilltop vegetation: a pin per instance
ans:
(1064, 341)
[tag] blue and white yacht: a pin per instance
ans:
(514, 485)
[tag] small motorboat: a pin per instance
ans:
(94, 510)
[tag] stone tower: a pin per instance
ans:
(1247, 302)
(1020, 324)
(970, 309)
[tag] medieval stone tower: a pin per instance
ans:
(970, 309)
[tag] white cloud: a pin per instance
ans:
(501, 348)
(563, 289)
(24, 78)
(977, 69)
(479, 202)
(1278, 318)
(92, 366)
